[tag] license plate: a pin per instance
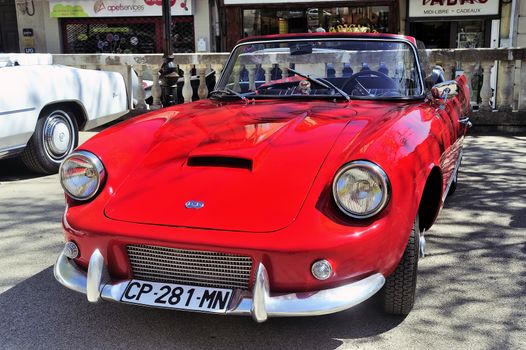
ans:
(177, 296)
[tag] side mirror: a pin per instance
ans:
(436, 77)
(445, 90)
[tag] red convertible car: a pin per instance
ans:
(303, 186)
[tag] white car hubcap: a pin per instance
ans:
(58, 135)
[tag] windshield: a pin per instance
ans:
(323, 68)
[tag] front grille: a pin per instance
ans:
(193, 267)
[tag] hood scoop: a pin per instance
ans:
(220, 162)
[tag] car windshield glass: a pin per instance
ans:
(321, 68)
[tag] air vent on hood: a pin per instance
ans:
(220, 161)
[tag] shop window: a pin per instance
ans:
(302, 20)
(125, 35)
(182, 34)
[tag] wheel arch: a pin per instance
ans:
(78, 109)
(431, 200)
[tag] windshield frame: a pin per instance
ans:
(231, 61)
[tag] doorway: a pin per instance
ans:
(8, 27)
(452, 34)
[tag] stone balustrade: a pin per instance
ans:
(495, 75)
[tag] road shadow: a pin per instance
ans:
(42, 313)
(471, 287)
(13, 169)
(472, 281)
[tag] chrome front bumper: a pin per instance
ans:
(259, 303)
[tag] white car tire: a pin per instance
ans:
(55, 137)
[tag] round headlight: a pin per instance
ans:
(81, 175)
(361, 189)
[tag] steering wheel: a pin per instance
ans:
(356, 88)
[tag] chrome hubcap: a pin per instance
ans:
(58, 135)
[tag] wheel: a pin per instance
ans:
(55, 136)
(400, 287)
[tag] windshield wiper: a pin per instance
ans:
(323, 82)
(229, 92)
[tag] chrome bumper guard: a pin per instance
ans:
(260, 304)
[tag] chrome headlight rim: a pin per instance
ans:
(384, 180)
(100, 172)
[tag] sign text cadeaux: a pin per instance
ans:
(453, 8)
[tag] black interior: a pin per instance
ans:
(364, 83)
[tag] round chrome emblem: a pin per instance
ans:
(194, 204)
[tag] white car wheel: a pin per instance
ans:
(55, 136)
(58, 135)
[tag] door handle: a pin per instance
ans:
(466, 122)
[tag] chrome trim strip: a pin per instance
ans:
(11, 151)
(18, 111)
(455, 173)
(260, 304)
(69, 275)
(114, 292)
(336, 38)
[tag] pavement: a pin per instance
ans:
(471, 291)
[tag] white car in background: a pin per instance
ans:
(43, 106)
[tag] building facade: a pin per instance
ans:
(254, 17)
(109, 26)
(437, 23)
(135, 26)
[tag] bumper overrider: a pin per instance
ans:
(259, 303)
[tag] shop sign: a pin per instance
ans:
(259, 2)
(453, 8)
(116, 8)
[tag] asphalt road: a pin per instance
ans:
(471, 287)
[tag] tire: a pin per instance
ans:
(55, 137)
(400, 287)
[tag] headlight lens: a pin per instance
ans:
(81, 175)
(361, 189)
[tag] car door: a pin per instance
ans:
(452, 108)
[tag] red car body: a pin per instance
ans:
(277, 207)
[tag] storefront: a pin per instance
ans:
(454, 23)
(242, 18)
(131, 26)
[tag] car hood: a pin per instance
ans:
(232, 167)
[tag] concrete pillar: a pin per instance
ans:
(202, 91)
(468, 72)
(235, 75)
(251, 76)
(506, 87)
(187, 86)
(268, 72)
(139, 90)
(485, 91)
(522, 90)
(156, 88)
